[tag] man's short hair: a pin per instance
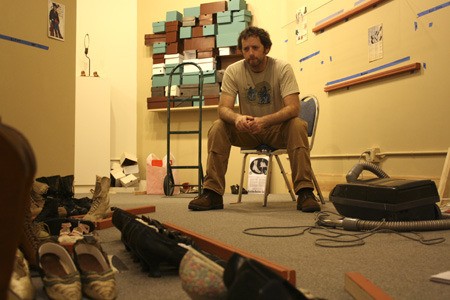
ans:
(255, 32)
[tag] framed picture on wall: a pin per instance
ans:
(56, 20)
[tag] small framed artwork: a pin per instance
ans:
(56, 20)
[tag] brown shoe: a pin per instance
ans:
(208, 200)
(307, 202)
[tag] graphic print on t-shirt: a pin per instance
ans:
(260, 94)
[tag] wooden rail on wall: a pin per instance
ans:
(408, 68)
(348, 14)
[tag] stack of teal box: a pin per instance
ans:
(159, 48)
(174, 16)
(192, 11)
(231, 22)
(159, 27)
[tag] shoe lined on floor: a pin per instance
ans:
(307, 202)
(68, 236)
(59, 274)
(208, 200)
(246, 278)
(100, 200)
(20, 286)
(201, 278)
(97, 276)
(54, 225)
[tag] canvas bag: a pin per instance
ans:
(156, 171)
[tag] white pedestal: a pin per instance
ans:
(92, 131)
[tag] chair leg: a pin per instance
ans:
(268, 178)
(291, 192)
(244, 160)
(316, 184)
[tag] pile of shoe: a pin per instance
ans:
(157, 248)
(54, 197)
(89, 272)
(235, 189)
(203, 275)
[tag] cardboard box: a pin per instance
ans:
(232, 28)
(213, 7)
(131, 169)
(158, 58)
(173, 48)
(204, 64)
(150, 39)
(159, 27)
(191, 11)
(115, 175)
(173, 59)
(207, 53)
(174, 16)
(234, 5)
(224, 17)
(242, 16)
(200, 43)
(171, 67)
(189, 90)
(207, 19)
(189, 21)
(174, 91)
(190, 54)
(127, 159)
(158, 91)
(173, 26)
(197, 31)
(209, 29)
(129, 180)
(209, 76)
(211, 100)
(185, 32)
(157, 102)
(158, 69)
(159, 48)
(227, 39)
(172, 37)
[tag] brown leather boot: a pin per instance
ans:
(15, 186)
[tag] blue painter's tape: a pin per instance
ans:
(433, 9)
(329, 17)
(359, 2)
(24, 42)
(424, 65)
(309, 56)
(370, 71)
(415, 26)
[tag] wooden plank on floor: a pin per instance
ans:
(360, 288)
(225, 251)
(444, 179)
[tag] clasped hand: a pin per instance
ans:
(245, 123)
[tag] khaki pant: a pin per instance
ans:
(290, 135)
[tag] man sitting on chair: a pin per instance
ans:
(269, 109)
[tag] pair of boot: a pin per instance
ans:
(61, 189)
(235, 189)
(150, 243)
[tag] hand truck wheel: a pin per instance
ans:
(168, 185)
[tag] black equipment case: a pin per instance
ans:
(387, 198)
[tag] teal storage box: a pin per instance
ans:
(233, 27)
(163, 80)
(227, 39)
(159, 27)
(160, 80)
(237, 5)
(209, 29)
(192, 11)
(159, 48)
(170, 67)
(242, 16)
(174, 16)
(194, 78)
(185, 32)
(224, 17)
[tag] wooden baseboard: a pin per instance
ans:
(360, 288)
(225, 251)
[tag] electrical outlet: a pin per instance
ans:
(373, 155)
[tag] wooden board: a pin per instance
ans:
(360, 288)
(225, 251)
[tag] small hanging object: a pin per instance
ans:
(86, 50)
(96, 74)
(83, 73)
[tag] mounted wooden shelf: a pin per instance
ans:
(357, 10)
(404, 69)
(207, 107)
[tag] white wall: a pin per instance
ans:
(112, 29)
